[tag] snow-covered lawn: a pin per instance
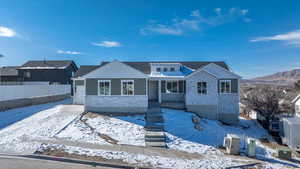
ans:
(48, 119)
(182, 135)
(124, 129)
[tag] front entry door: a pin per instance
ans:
(153, 90)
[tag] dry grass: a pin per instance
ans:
(244, 115)
(266, 142)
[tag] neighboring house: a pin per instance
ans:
(9, 74)
(52, 71)
(296, 105)
(209, 89)
(290, 127)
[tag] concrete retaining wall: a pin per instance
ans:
(10, 104)
(15, 92)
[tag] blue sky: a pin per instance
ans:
(254, 37)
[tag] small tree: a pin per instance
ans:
(264, 100)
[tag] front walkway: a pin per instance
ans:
(155, 136)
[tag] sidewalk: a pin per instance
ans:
(151, 151)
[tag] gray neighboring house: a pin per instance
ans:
(52, 71)
(10, 74)
(209, 89)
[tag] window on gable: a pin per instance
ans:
(225, 86)
(158, 69)
(172, 69)
(165, 69)
(127, 87)
(104, 87)
(202, 87)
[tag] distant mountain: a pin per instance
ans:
(280, 78)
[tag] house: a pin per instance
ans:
(50, 71)
(290, 126)
(209, 89)
(10, 74)
(296, 105)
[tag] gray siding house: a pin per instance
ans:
(209, 89)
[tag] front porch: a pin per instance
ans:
(169, 93)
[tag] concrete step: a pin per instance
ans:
(162, 139)
(155, 129)
(155, 134)
(156, 144)
(155, 119)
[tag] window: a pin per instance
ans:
(27, 74)
(158, 69)
(201, 86)
(297, 108)
(172, 69)
(127, 87)
(165, 69)
(104, 87)
(172, 87)
(225, 86)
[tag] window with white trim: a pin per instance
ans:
(172, 87)
(127, 87)
(202, 87)
(104, 87)
(165, 69)
(158, 69)
(225, 86)
(172, 69)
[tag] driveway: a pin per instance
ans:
(47, 120)
(14, 115)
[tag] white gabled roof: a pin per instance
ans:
(115, 69)
(217, 71)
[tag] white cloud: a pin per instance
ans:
(7, 32)
(195, 22)
(107, 44)
(195, 13)
(244, 11)
(290, 38)
(69, 52)
(217, 11)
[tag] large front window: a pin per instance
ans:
(172, 87)
(127, 87)
(104, 87)
(225, 86)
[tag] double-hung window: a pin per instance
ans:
(104, 87)
(172, 87)
(127, 87)
(202, 87)
(225, 86)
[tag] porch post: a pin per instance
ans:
(159, 91)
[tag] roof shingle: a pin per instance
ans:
(145, 67)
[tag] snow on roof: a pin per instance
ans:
(167, 74)
(63, 67)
